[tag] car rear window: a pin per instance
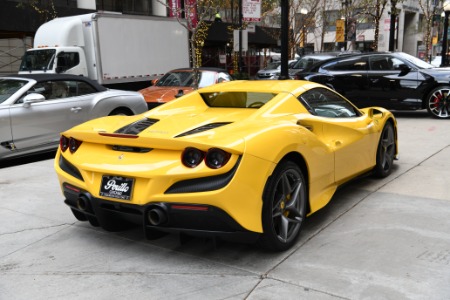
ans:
(237, 99)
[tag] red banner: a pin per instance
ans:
(174, 8)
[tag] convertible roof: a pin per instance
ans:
(262, 86)
(45, 77)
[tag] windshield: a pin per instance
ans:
(307, 62)
(38, 60)
(8, 87)
(416, 61)
(186, 79)
(273, 65)
(237, 99)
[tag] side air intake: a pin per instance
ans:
(137, 127)
(203, 128)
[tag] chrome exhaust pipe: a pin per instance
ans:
(157, 216)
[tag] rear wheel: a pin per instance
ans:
(438, 102)
(385, 152)
(284, 207)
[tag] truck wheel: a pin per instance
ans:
(284, 207)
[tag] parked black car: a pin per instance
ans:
(396, 81)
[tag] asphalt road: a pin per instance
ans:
(377, 239)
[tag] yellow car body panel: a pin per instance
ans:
(334, 150)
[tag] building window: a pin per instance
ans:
(133, 7)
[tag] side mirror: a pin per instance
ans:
(180, 93)
(404, 69)
(32, 98)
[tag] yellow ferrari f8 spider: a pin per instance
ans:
(249, 159)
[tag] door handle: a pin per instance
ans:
(75, 109)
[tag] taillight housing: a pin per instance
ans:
(69, 143)
(215, 158)
(63, 143)
(192, 157)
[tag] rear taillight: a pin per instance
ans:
(192, 157)
(215, 158)
(63, 143)
(69, 143)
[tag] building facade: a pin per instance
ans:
(19, 22)
(360, 29)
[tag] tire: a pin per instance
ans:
(438, 102)
(385, 152)
(284, 207)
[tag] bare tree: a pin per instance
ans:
(195, 22)
(301, 18)
(374, 9)
(45, 9)
(429, 9)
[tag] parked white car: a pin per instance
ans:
(35, 108)
(436, 61)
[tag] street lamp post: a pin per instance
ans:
(446, 7)
(345, 4)
(303, 32)
(284, 73)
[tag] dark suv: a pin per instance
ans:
(396, 81)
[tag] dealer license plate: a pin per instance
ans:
(116, 187)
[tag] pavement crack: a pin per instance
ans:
(35, 228)
(63, 226)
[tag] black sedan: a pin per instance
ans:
(396, 81)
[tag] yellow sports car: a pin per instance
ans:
(248, 159)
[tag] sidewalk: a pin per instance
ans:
(377, 239)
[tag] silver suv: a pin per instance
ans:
(272, 71)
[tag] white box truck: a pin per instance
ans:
(121, 51)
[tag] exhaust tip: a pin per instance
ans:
(83, 203)
(157, 216)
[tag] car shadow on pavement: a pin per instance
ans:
(27, 159)
(418, 114)
(343, 201)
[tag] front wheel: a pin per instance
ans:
(284, 207)
(438, 102)
(385, 152)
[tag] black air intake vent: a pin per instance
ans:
(137, 127)
(203, 128)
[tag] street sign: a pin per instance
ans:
(251, 10)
